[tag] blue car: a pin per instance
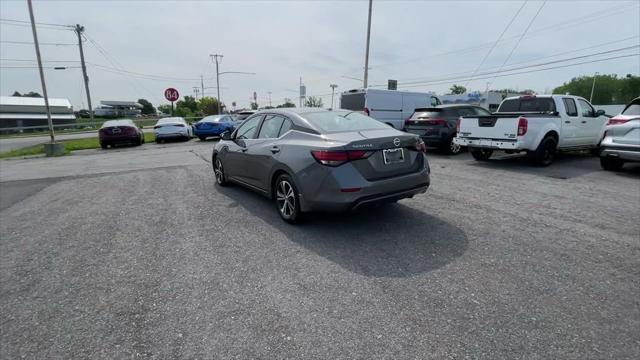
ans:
(213, 125)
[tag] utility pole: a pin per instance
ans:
(215, 57)
(79, 30)
(593, 86)
(366, 56)
(202, 84)
(44, 86)
(333, 89)
(196, 90)
(269, 98)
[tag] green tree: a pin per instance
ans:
(147, 107)
(609, 89)
(313, 101)
(188, 102)
(209, 105)
(165, 108)
(287, 104)
(29, 94)
(458, 89)
(254, 105)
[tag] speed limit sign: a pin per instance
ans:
(171, 94)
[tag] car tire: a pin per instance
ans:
(481, 154)
(142, 140)
(452, 148)
(159, 141)
(611, 163)
(546, 152)
(104, 145)
(287, 200)
(202, 138)
(218, 172)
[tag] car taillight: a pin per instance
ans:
(407, 121)
(440, 122)
(157, 127)
(523, 124)
(421, 146)
(179, 125)
(614, 121)
(336, 158)
(458, 124)
(366, 111)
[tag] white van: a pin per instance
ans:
(388, 106)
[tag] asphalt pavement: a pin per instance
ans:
(136, 253)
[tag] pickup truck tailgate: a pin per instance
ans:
(489, 127)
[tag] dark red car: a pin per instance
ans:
(122, 131)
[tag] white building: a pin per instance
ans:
(18, 113)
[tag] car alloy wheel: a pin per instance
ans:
(219, 172)
(286, 199)
(454, 149)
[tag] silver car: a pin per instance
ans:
(172, 128)
(320, 160)
(621, 142)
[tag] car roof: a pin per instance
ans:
(171, 120)
(119, 122)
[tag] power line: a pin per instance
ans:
(35, 67)
(513, 18)
(31, 43)
(439, 82)
(33, 60)
(523, 34)
(459, 77)
(38, 23)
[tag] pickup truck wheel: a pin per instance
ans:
(546, 151)
(481, 154)
(611, 163)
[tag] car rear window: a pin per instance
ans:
(633, 109)
(427, 114)
(527, 104)
(211, 119)
(352, 101)
(330, 121)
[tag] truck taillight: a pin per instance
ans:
(523, 124)
(458, 125)
(366, 111)
(421, 146)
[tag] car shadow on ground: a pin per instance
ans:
(392, 240)
(565, 166)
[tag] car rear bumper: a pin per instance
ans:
(341, 190)
(621, 152)
(172, 136)
(431, 137)
(119, 139)
(498, 144)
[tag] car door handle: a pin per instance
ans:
(275, 149)
(567, 122)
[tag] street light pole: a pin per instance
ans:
(44, 86)
(593, 86)
(215, 57)
(333, 88)
(366, 56)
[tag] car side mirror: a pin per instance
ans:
(226, 135)
(600, 113)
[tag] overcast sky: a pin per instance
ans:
(422, 44)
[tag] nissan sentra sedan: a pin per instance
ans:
(172, 128)
(320, 160)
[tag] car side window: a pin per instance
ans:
(465, 112)
(435, 101)
(586, 108)
(570, 106)
(286, 126)
(481, 112)
(270, 127)
(248, 128)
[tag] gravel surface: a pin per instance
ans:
(497, 260)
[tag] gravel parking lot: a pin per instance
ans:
(135, 252)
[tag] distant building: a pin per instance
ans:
(118, 109)
(19, 113)
(488, 100)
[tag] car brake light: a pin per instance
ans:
(336, 158)
(523, 124)
(366, 111)
(407, 121)
(458, 124)
(614, 121)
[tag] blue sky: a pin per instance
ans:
(423, 44)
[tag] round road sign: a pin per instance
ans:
(171, 94)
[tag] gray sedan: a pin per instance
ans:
(320, 160)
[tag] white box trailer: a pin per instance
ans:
(388, 106)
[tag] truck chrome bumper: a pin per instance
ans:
(488, 143)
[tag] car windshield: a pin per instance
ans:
(329, 121)
(633, 109)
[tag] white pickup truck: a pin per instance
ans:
(538, 125)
